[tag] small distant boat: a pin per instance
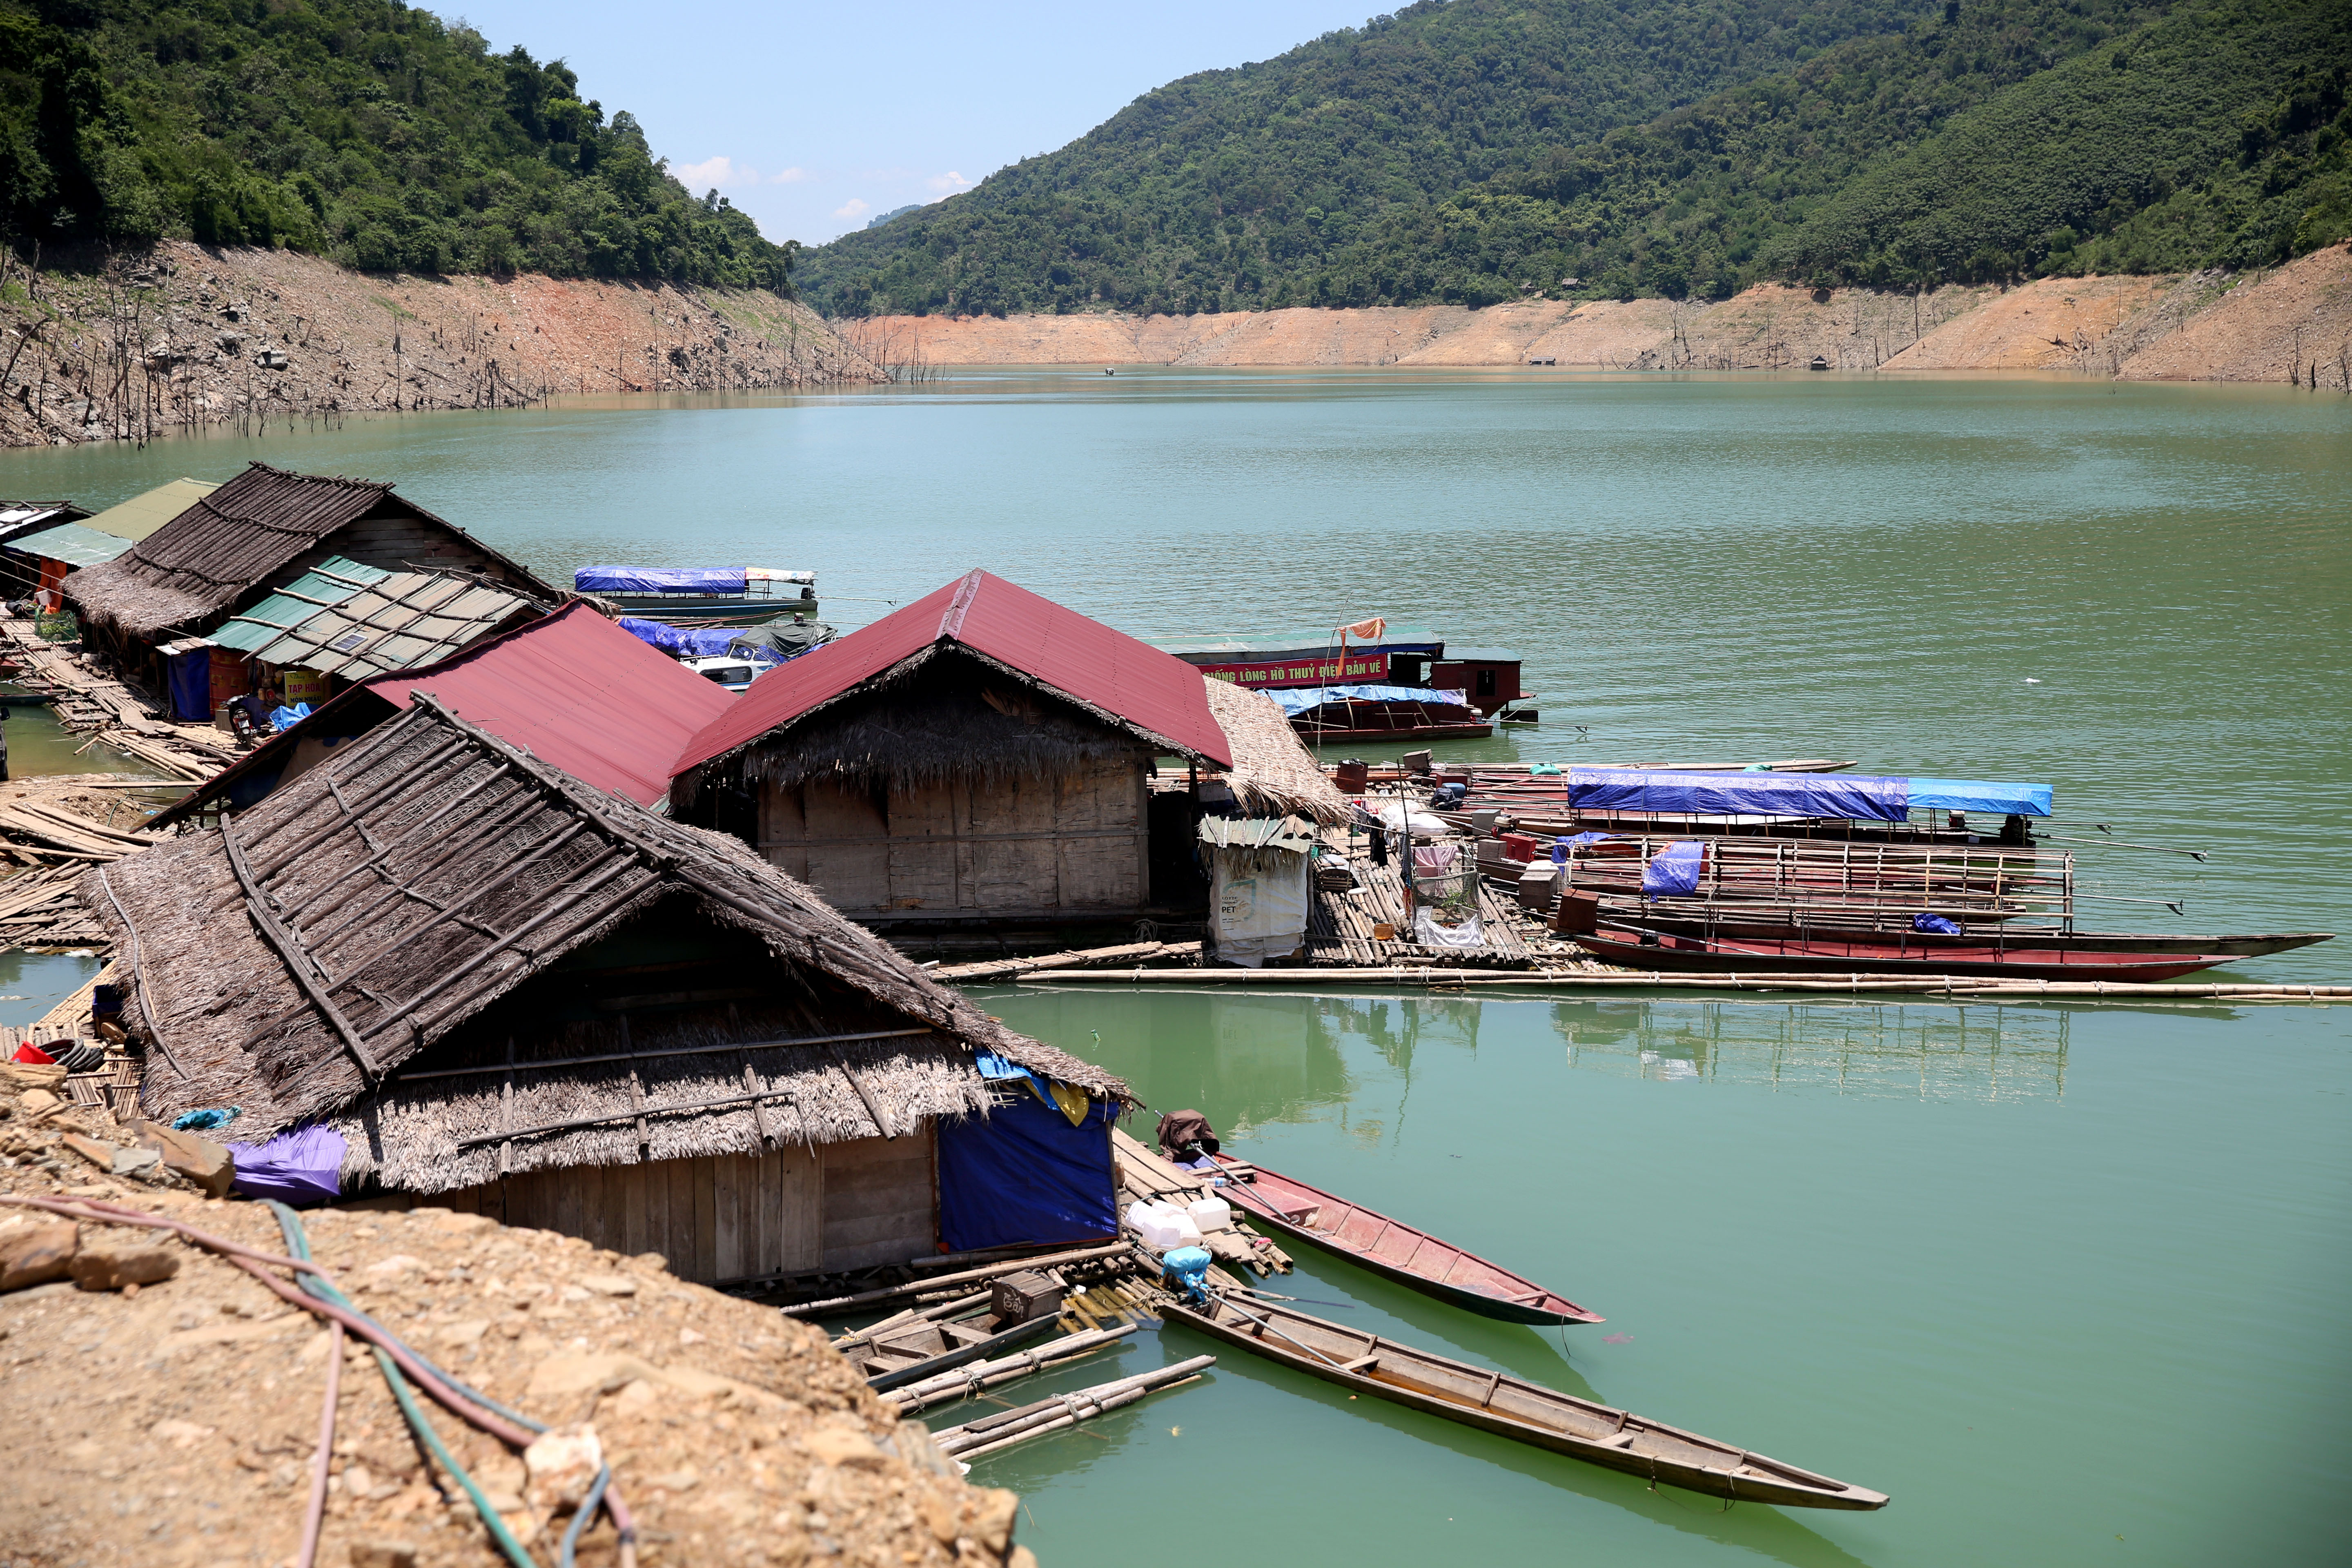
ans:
(1819, 361)
(1889, 954)
(1510, 1408)
(1346, 714)
(702, 596)
(1397, 1251)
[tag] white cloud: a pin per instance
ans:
(788, 176)
(949, 184)
(720, 172)
(852, 209)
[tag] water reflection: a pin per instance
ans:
(1879, 1048)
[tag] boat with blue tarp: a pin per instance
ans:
(702, 595)
(1380, 712)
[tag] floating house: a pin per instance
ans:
(1267, 660)
(259, 533)
(1487, 678)
(1259, 889)
(983, 754)
(436, 967)
(35, 556)
(573, 690)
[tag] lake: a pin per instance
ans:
(2067, 1282)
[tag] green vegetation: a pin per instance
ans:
(1225, 189)
(1977, 140)
(360, 129)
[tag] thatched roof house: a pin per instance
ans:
(516, 994)
(265, 528)
(573, 690)
(981, 754)
(1273, 775)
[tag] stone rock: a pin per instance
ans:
(36, 1101)
(91, 1149)
(382, 1555)
(839, 1446)
(178, 1433)
(562, 1465)
(610, 1284)
(34, 1253)
(208, 1165)
(113, 1265)
(992, 1527)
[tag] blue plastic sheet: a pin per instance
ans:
(1673, 872)
(685, 642)
(1023, 1174)
(304, 1166)
(1934, 925)
(1735, 794)
(661, 580)
(1297, 699)
(192, 684)
(1975, 794)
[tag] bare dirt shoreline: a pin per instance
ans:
(2291, 323)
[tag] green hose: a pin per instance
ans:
(297, 1245)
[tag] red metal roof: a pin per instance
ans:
(1156, 692)
(577, 692)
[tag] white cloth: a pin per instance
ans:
(1257, 911)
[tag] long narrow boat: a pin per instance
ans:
(1508, 1407)
(1395, 1250)
(1881, 955)
(2250, 945)
(922, 1349)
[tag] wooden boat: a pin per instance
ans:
(920, 1349)
(2007, 939)
(1394, 1250)
(1885, 954)
(686, 597)
(1508, 1407)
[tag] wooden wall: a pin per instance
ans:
(735, 1217)
(1022, 847)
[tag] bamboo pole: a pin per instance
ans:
(983, 1375)
(1858, 982)
(923, 1287)
(992, 1433)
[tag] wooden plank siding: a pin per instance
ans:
(1020, 847)
(734, 1216)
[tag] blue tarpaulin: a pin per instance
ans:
(1023, 1174)
(1673, 872)
(1297, 699)
(1731, 794)
(661, 580)
(685, 642)
(192, 684)
(1974, 795)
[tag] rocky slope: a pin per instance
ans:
(175, 1420)
(188, 336)
(2202, 327)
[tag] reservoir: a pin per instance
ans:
(2068, 1282)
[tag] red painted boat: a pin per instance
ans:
(1892, 954)
(1396, 1251)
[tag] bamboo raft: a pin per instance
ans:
(1339, 925)
(1510, 1408)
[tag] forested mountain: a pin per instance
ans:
(1409, 162)
(361, 130)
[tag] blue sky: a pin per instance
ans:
(813, 119)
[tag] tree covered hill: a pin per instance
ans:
(1218, 190)
(360, 129)
(1969, 141)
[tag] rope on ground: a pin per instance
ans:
(316, 1514)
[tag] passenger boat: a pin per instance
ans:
(702, 596)
(2009, 939)
(1510, 1407)
(1397, 1251)
(905, 1353)
(1887, 954)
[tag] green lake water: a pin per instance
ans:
(2068, 1283)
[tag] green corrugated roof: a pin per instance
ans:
(141, 515)
(71, 544)
(322, 587)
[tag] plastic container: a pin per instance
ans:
(1161, 1225)
(1210, 1213)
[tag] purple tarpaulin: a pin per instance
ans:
(304, 1166)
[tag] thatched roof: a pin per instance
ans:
(235, 537)
(398, 914)
(1273, 775)
(942, 714)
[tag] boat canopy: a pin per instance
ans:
(1298, 700)
(679, 579)
(1874, 798)
(685, 642)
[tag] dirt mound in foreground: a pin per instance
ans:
(176, 1423)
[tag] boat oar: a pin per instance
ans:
(1311, 1300)
(1245, 1315)
(2125, 844)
